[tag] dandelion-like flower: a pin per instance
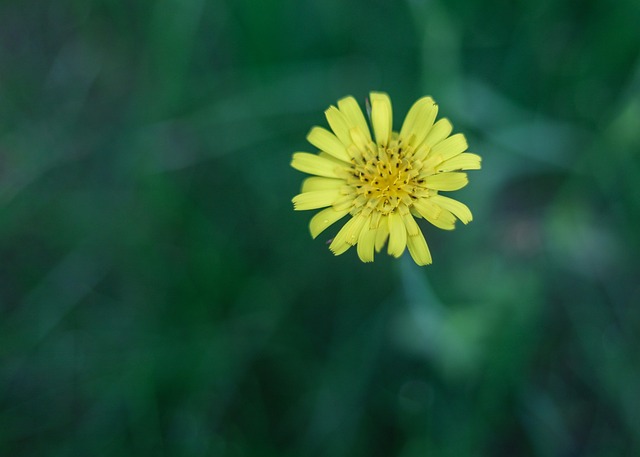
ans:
(384, 182)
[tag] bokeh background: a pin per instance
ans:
(159, 296)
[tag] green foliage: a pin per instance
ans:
(158, 295)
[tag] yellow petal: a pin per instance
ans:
(458, 209)
(381, 117)
(446, 221)
(318, 183)
(435, 214)
(316, 199)
(340, 248)
(446, 181)
(421, 152)
(466, 161)
(349, 107)
(426, 208)
(339, 124)
(348, 234)
(382, 233)
(366, 242)
(397, 235)
(344, 202)
(324, 219)
(360, 141)
(315, 165)
(419, 121)
(375, 219)
(419, 250)
(338, 162)
(450, 147)
(410, 223)
(438, 132)
(328, 142)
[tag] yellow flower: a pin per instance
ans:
(385, 182)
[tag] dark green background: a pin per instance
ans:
(159, 296)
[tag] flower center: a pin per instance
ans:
(385, 179)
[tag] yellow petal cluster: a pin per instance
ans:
(385, 181)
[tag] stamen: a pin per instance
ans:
(384, 178)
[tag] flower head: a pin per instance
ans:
(385, 181)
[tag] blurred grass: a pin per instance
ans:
(158, 295)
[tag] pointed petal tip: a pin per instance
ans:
(419, 250)
(424, 264)
(381, 117)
